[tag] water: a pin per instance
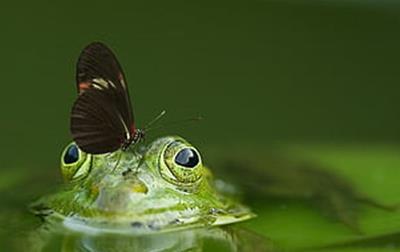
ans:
(294, 211)
(287, 80)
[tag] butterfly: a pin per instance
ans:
(101, 118)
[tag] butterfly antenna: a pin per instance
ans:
(192, 119)
(156, 119)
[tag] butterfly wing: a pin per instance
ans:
(98, 67)
(101, 118)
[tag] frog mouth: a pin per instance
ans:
(158, 223)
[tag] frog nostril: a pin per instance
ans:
(187, 157)
(137, 224)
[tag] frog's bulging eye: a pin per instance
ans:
(75, 164)
(181, 163)
(71, 155)
(187, 157)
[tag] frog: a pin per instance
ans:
(160, 187)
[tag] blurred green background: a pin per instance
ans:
(261, 73)
(257, 71)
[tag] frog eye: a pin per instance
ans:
(71, 155)
(74, 163)
(187, 157)
(181, 163)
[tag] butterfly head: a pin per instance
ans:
(136, 136)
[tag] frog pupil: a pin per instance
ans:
(71, 155)
(187, 158)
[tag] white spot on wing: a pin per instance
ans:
(128, 135)
(101, 83)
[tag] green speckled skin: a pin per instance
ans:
(139, 190)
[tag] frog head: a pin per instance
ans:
(159, 187)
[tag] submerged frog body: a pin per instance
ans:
(162, 187)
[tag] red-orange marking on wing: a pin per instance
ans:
(84, 85)
(133, 129)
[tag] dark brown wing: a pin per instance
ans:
(96, 124)
(98, 65)
(101, 118)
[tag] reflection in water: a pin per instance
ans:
(229, 238)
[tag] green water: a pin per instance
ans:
(312, 80)
(285, 221)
